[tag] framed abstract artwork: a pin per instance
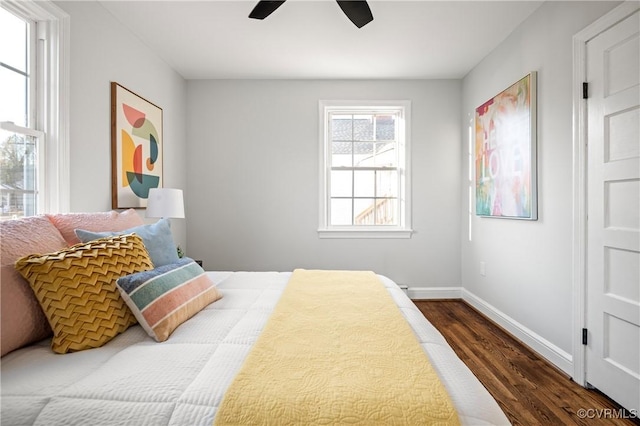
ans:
(505, 153)
(136, 148)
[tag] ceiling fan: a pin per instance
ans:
(357, 11)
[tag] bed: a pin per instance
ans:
(133, 380)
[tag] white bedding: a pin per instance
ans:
(135, 381)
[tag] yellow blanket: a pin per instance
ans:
(336, 350)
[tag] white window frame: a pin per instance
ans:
(403, 229)
(51, 101)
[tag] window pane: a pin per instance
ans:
(341, 183)
(18, 175)
(362, 127)
(340, 211)
(341, 128)
(341, 154)
(385, 127)
(13, 101)
(13, 33)
(386, 154)
(387, 183)
(386, 211)
(363, 154)
(364, 183)
(363, 211)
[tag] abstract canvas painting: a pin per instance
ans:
(505, 153)
(136, 148)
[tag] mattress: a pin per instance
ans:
(133, 380)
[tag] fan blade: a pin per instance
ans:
(264, 9)
(357, 11)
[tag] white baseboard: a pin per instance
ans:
(542, 346)
(546, 349)
(426, 293)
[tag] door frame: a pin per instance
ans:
(579, 255)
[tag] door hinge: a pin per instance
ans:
(585, 90)
(584, 336)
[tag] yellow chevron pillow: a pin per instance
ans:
(76, 288)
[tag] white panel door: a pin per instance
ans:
(613, 207)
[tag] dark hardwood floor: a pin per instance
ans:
(530, 390)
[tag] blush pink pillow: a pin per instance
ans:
(67, 223)
(23, 321)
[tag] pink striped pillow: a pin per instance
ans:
(165, 297)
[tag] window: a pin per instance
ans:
(470, 189)
(365, 179)
(19, 143)
(33, 116)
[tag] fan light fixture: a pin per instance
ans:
(357, 11)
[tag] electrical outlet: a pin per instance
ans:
(483, 270)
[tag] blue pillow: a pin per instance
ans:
(157, 239)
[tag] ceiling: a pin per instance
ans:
(304, 39)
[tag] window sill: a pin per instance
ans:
(364, 233)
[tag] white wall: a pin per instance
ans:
(528, 264)
(254, 180)
(102, 51)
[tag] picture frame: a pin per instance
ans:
(136, 148)
(506, 153)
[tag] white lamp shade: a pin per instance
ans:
(165, 203)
